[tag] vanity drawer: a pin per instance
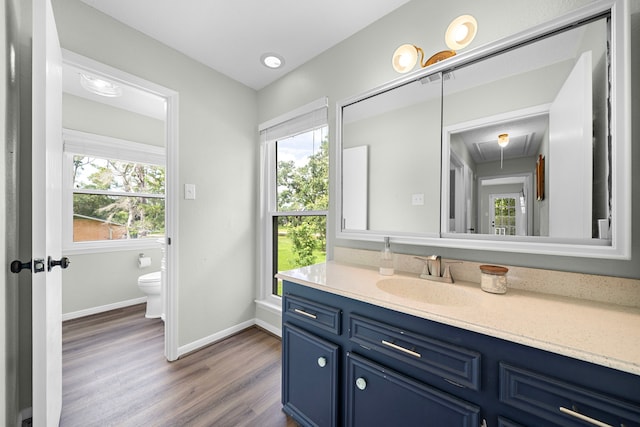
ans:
(313, 313)
(563, 403)
(454, 364)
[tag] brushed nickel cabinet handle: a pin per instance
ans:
(402, 349)
(304, 313)
(584, 418)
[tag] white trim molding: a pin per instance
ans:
(213, 338)
(102, 308)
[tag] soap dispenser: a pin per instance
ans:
(386, 259)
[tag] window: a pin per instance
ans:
(295, 194)
(115, 192)
(504, 215)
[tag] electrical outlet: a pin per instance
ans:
(417, 199)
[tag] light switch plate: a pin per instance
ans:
(189, 191)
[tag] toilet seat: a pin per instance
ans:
(149, 278)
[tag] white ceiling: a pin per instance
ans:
(231, 36)
(525, 137)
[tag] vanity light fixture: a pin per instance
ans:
(100, 86)
(405, 58)
(272, 60)
(459, 34)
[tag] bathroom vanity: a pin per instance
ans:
(357, 352)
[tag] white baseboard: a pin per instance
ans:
(203, 342)
(102, 308)
(269, 327)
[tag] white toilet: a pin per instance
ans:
(151, 285)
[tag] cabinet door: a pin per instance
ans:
(377, 396)
(309, 377)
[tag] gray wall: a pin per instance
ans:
(363, 61)
(102, 279)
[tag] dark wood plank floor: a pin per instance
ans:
(115, 374)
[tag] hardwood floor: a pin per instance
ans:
(115, 374)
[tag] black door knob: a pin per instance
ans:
(17, 266)
(62, 262)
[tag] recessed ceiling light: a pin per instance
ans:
(100, 86)
(272, 60)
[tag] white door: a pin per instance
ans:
(355, 187)
(46, 194)
(506, 218)
(570, 158)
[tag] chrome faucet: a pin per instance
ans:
(433, 261)
(431, 269)
(431, 266)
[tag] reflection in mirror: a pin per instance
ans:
(391, 160)
(551, 98)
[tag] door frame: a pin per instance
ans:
(171, 185)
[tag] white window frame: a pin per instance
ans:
(89, 144)
(308, 117)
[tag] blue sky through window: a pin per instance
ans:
(300, 147)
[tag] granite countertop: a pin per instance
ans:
(605, 334)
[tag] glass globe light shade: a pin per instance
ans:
(461, 32)
(503, 140)
(405, 58)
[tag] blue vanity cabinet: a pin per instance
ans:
(389, 368)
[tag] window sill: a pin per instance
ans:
(269, 304)
(112, 246)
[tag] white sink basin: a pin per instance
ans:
(425, 291)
